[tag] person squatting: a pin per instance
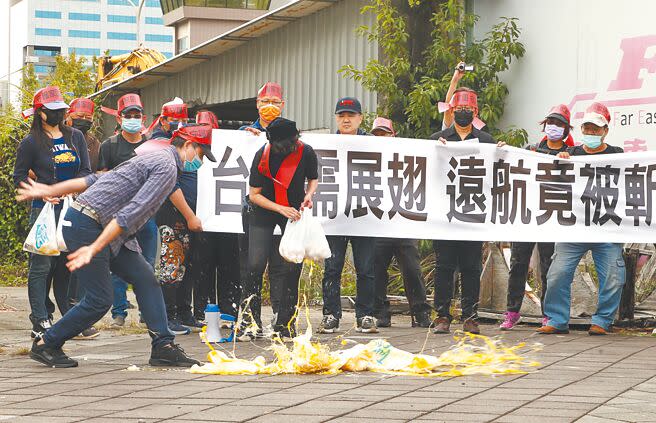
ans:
(134, 195)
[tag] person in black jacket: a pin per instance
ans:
(54, 152)
(452, 255)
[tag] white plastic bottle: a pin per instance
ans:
(212, 314)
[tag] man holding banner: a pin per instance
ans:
(464, 256)
(607, 256)
(348, 114)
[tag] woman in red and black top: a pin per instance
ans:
(277, 191)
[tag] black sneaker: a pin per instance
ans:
(177, 328)
(421, 319)
(51, 357)
(384, 321)
(329, 324)
(246, 334)
(39, 329)
(366, 324)
(171, 355)
(191, 322)
(284, 333)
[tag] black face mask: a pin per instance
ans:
(82, 124)
(54, 117)
(463, 117)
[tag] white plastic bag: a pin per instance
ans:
(292, 246)
(61, 244)
(316, 244)
(42, 238)
(304, 238)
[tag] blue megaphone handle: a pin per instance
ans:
(228, 318)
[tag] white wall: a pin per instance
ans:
(575, 47)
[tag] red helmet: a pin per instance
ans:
(49, 97)
(206, 117)
(272, 89)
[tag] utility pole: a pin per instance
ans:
(139, 4)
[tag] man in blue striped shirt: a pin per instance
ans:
(103, 222)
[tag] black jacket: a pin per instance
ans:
(32, 156)
(450, 134)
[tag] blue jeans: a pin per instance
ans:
(95, 279)
(609, 263)
(364, 249)
(40, 270)
(147, 238)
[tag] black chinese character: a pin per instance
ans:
(639, 187)
(556, 192)
(467, 196)
(220, 171)
(328, 188)
(600, 190)
(415, 196)
(502, 185)
(362, 169)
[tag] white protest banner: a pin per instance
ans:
(407, 188)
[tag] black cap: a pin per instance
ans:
(281, 129)
(559, 117)
(348, 104)
(131, 108)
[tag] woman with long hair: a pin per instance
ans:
(53, 152)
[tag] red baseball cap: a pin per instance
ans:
(560, 112)
(597, 114)
(49, 97)
(125, 103)
(205, 117)
(200, 134)
(81, 105)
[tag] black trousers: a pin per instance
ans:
(465, 256)
(262, 249)
(406, 252)
(519, 261)
(213, 273)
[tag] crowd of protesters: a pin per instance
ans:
(133, 221)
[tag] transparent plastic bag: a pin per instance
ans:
(42, 238)
(61, 244)
(292, 246)
(316, 244)
(304, 238)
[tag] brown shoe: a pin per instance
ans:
(597, 330)
(441, 325)
(471, 326)
(550, 330)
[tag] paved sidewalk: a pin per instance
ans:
(582, 378)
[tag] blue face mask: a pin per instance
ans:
(592, 141)
(175, 125)
(194, 164)
(131, 126)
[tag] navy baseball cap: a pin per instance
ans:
(348, 104)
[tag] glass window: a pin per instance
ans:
(167, 54)
(122, 18)
(47, 14)
(158, 38)
(43, 68)
(47, 32)
(120, 3)
(46, 51)
(74, 16)
(119, 52)
(152, 3)
(154, 21)
(81, 51)
(83, 34)
(183, 44)
(122, 36)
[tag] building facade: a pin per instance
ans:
(43, 29)
(301, 45)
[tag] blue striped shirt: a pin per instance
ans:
(132, 192)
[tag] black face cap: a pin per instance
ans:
(348, 104)
(559, 117)
(281, 129)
